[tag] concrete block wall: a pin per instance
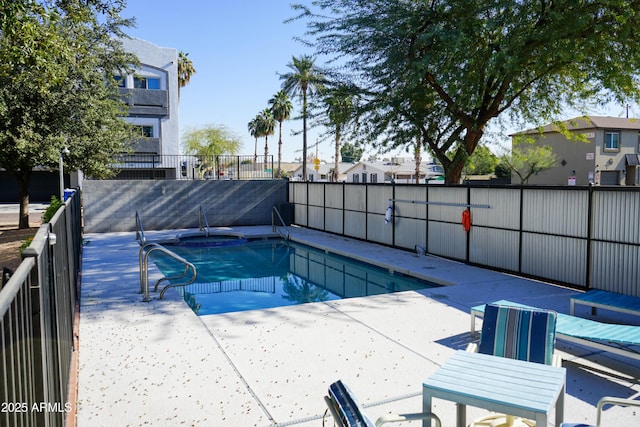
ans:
(110, 206)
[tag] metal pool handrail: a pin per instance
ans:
(139, 230)
(203, 224)
(143, 259)
(274, 227)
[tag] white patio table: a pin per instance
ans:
(525, 389)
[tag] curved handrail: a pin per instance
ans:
(139, 230)
(143, 258)
(274, 227)
(173, 285)
(143, 267)
(203, 224)
(187, 267)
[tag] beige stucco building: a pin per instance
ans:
(608, 157)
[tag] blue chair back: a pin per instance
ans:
(518, 333)
(345, 407)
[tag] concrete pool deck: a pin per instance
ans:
(158, 364)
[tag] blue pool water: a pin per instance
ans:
(272, 273)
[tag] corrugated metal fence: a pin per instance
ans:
(37, 310)
(585, 237)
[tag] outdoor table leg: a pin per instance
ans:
(541, 420)
(461, 415)
(560, 407)
(426, 407)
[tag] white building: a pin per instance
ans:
(323, 174)
(392, 172)
(152, 96)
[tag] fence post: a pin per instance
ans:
(468, 233)
(393, 222)
(520, 227)
(589, 262)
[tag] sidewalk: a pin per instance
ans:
(9, 214)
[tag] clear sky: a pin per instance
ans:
(237, 48)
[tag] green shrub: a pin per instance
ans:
(52, 209)
(25, 244)
(502, 170)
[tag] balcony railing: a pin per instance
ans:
(184, 167)
(154, 103)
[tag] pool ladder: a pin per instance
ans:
(143, 260)
(140, 237)
(203, 224)
(279, 228)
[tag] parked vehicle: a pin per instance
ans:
(434, 174)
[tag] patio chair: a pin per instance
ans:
(347, 412)
(516, 333)
(607, 400)
(613, 338)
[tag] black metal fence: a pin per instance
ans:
(185, 167)
(37, 312)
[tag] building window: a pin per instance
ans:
(356, 177)
(374, 178)
(145, 131)
(153, 83)
(139, 83)
(364, 177)
(146, 83)
(612, 141)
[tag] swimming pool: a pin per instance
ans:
(269, 273)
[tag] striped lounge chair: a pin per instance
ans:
(347, 412)
(623, 340)
(516, 333)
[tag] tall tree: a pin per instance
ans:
(417, 158)
(56, 59)
(185, 70)
(281, 108)
(339, 110)
(266, 128)
(304, 79)
(474, 61)
(252, 127)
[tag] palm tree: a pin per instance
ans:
(185, 70)
(304, 79)
(281, 107)
(339, 110)
(266, 127)
(252, 126)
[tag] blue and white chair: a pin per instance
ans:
(605, 401)
(517, 333)
(347, 412)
